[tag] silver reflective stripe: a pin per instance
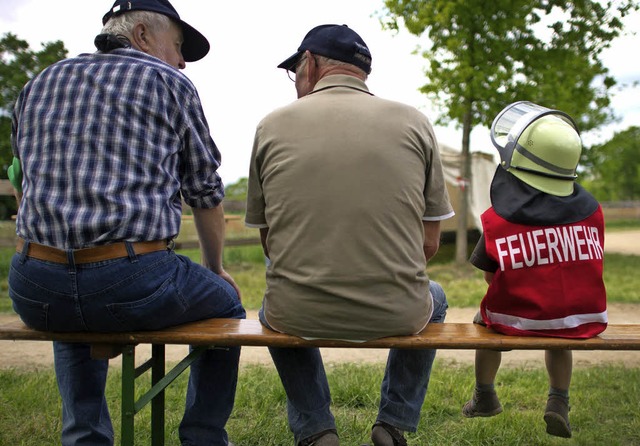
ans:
(522, 323)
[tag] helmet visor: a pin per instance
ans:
(511, 123)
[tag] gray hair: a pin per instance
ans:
(322, 60)
(123, 24)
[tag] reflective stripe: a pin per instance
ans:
(522, 323)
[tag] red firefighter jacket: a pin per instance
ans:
(546, 253)
(550, 278)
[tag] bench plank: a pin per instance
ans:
(250, 332)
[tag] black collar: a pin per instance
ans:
(517, 202)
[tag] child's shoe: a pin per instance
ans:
(556, 415)
(483, 404)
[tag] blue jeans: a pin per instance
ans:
(402, 393)
(146, 292)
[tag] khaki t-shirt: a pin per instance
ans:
(343, 181)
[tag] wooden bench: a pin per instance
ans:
(232, 332)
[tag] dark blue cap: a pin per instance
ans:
(337, 42)
(195, 45)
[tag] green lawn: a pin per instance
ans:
(604, 408)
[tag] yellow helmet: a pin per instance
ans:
(538, 145)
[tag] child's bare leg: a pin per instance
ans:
(485, 401)
(487, 365)
(559, 367)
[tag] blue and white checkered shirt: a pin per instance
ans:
(109, 144)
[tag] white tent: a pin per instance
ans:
(482, 169)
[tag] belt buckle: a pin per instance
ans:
(171, 245)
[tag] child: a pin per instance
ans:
(541, 252)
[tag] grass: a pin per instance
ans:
(622, 224)
(604, 407)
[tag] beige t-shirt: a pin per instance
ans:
(343, 180)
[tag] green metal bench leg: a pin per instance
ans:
(155, 395)
(157, 403)
(128, 395)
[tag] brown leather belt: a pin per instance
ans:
(90, 255)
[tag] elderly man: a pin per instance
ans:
(348, 192)
(109, 144)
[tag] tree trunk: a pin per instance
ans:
(465, 185)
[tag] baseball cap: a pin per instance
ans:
(337, 42)
(195, 45)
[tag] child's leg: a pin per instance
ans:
(487, 365)
(485, 401)
(559, 367)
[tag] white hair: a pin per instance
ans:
(123, 24)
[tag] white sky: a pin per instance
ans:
(239, 83)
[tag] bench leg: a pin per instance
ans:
(157, 403)
(155, 395)
(130, 407)
(128, 395)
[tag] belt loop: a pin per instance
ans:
(132, 253)
(25, 250)
(71, 260)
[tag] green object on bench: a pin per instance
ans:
(14, 172)
(235, 332)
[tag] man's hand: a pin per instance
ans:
(225, 275)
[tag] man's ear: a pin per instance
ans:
(312, 69)
(140, 37)
(307, 55)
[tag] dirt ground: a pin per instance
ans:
(30, 355)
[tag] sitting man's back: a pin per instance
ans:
(348, 192)
(109, 144)
(347, 179)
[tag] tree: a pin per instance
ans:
(613, 168)
(237, 191)
(19, 64)
(484, 55)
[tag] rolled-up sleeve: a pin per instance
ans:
(201, 185)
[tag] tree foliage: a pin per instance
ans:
(613, 168)
(483, 55)
(237, 191)
(19, 64)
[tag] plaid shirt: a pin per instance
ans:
(109, 145)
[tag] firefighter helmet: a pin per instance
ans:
(540, 146)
